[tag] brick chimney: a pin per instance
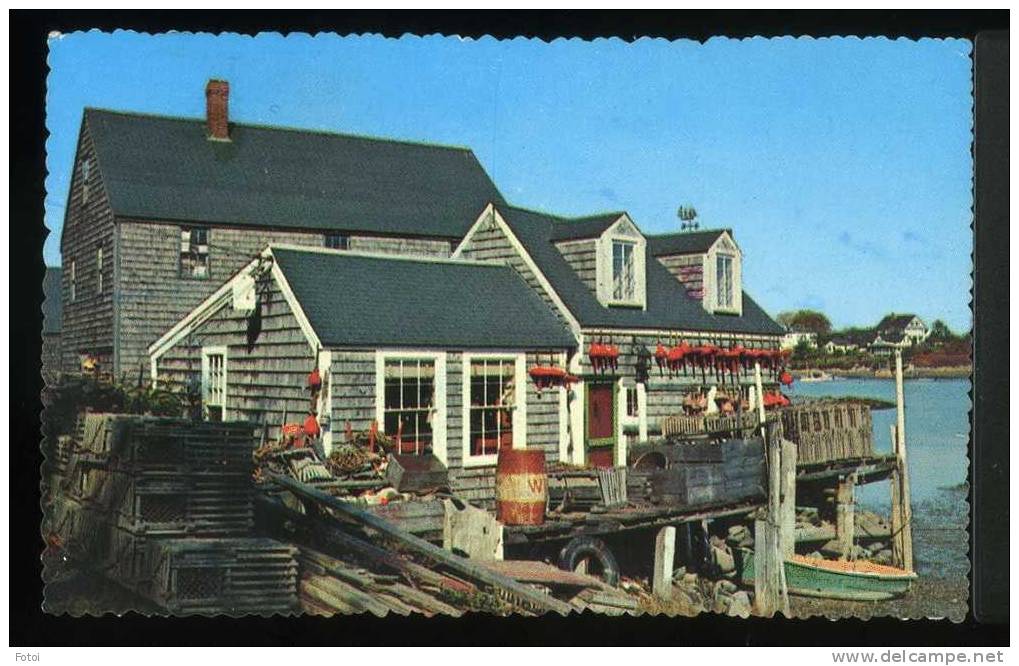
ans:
(217, 117)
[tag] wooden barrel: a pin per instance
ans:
(521, 487)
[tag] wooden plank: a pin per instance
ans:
(787, 499)
(665, 553)
(425, 549)
(845, 521)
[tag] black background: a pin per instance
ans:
(987, 623)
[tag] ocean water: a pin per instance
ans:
(937, 446)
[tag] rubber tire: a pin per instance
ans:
(583, 547)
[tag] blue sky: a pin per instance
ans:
(843, 165)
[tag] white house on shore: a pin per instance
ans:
(792, 339)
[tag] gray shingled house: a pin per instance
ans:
(162, 210)
(52, 325)
(613, 285)
(436, 351)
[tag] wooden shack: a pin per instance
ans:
(436, 352)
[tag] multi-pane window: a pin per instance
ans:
(632, 404)
(337, 241)
(724, 281)
(74, 280)
(99, 269)
(493, 399)
(409, 386)
(624, 274)
(214, 383)
(194, 252)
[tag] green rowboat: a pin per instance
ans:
(831, 579)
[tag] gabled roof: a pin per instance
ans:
(379, 301)
(580, 228)
(158, 167)
(687, 242)
(53, 304)
(895, 322)
(668, 305)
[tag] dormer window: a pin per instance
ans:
(725, 266)
(624, 278)
(619, 270)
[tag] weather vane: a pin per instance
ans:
(688, 217)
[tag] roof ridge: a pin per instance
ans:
(689, 233)
(560, 218)
(287, 128)
(420, 259)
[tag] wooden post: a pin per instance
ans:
(845, 507)
(665, 554)
(770, 593)
(787, 499)
(905, 533)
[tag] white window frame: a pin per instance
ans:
(640, 420)
(624, 290)
(207, 352)
(623, 231)
(188, 245)
(438, 407)
(519, 409)
(721, 259)
(344, 242)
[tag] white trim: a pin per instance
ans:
(642, 412)
(491, 210)
(196, 317)
(564, 416)
(604, 264)
(621, 446)
(216, 350)
(577, 405)
(519, 409)
(324, 411)
(666, 333)
(426, 259)
(295, 307)
(439, 444)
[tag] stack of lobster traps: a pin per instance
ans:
(166, 507)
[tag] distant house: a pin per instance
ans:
(906, 327)
(162, 210)
(52, 325)
(793, 338)
(840, 345)
(885, 344)
(436, 351)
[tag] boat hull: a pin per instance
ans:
(817, 579)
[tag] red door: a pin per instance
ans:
(600, 412)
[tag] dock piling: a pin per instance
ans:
(665, 554)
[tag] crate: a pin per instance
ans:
(145, 443)
(231, 576)
(209, 505)
(829, 430)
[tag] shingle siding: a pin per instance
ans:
(665, 390)
(262, 384)
(88, 225)
(688, 269)
(582, 256)
(490, 243)
(152, 295)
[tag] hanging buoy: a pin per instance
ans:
(311, 428)
(786, 378)
(314, 380)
